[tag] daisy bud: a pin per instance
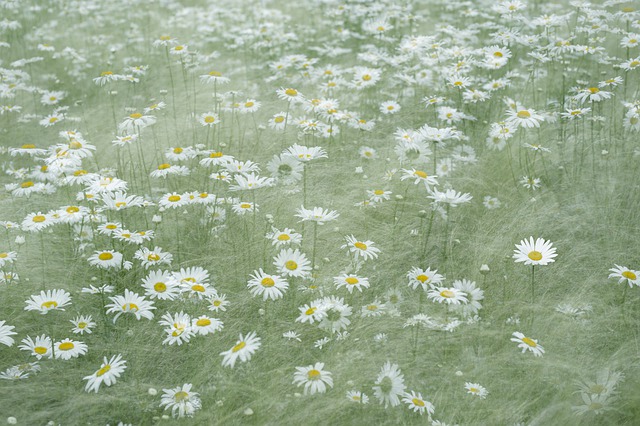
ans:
(399, 197)
(113, 92)
(326, 260)
(219, 403)
(269, 218)
(152, 392)
(605, 152)
(20, 240)
(223, 145)
(261, 311)
(359, 170)
(458, 373)
(94, 279)
(129, 333)
(164, 92)
(484, 269)
(165, 417)
(156, 218)
(248, 412)
(12, 420)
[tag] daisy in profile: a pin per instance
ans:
(448, 295)
(268, 286)
(316, 214)
(419, 176)
(130, 303)
(244, 348)
(476, 390)
(314, 378)
(625, 274)
(6, 331)
(364, 249)
(109, 371)
(40, 347)
(181, 401)
(527, 344)
(417, 403)
(292, 263)
(538, 252)
(522, 117)
(67, 349)
(155, 257)
(48, 300)
(425, 278)
(389, 385)
(280, 238)
(351, 282)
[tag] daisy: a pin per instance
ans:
(35, 222)
(279, 121)
(67, 349)
(82, 324)
(351, 282)
(108, 259)
(204, 325)
(625, 274)
(7, 257)
(109, 371)
(130, 303)
(389, 107)
(419, 176)
(280, 238)
(290, 95)
(153, 257)
(218, 302)
(313, 377)
(521, 117)
(417, 403)
(592, 94)
(316, 214)
(540, 252)
(527, 344)
(241, 208)
(214, 77)
(389, 385)
(181, 401)
(530, 182)
(6, 331)
(378, 195)
(357, 397)
(448, 295)
(269, 286)
(425, 278)
(474, 296)
(292, 263)
(49, 300)
(40, 347)
(244, 348)
(450, 197)
(172, 200)
(312, 312)
(209, 119)
(476, 389)
(335, 314)
(286, 169)
(160, 285)
(179, 328)
(136, 122)
(215, 158)
(373, 309)
(490, 202)
(365, 249)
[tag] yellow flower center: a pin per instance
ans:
(53, 119)
(248, 104)
(120, 204)
(160, 287)
(310, 311)
(378, 192)
(420, 174)
(74, 144)
(131, 307)
(529, 342)
(279, 119)
(634, 64)
(418, 402)
(111, 226)
(178, 48)
(203, 322)
(28, 146)
(593, 90)
(217, 303)
(209, 119)
(360, 246)
(352, 280)
(291, 92)
(535, 255)
(174, 198)
(82, 325)
(66, 346)
(238, 347)
(524, 114)
(27, 184)
(40, 350)
(181, 396)
(105, 256)
(422, 278)
(267, 282)
(153, 257)
(135, 115)
(198, 287)
(474, 390)
(177, 150)
(105, 73)
(72, 209)
(447, 293)
(164, 166)
(283, 237)
(103, 370)
(366, 77)
(629, 275)
(498, 54)
(245, 206)
(291, 265)
(49, 304)
(4, 255)
(215, 74)
(313, 375)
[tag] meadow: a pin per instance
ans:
(326, 212)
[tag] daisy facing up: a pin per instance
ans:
(351, 282)
(538, 252)
(389, 385)
(244, 348)
(527, 344)
(109, 371)
(67, 349)
(49, 300)
(313, 377)
(292, 263)
(266, 285)
(181, 401)
(365, 249)
(417, 403)
(425, 278)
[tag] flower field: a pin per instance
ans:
(323, 212)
